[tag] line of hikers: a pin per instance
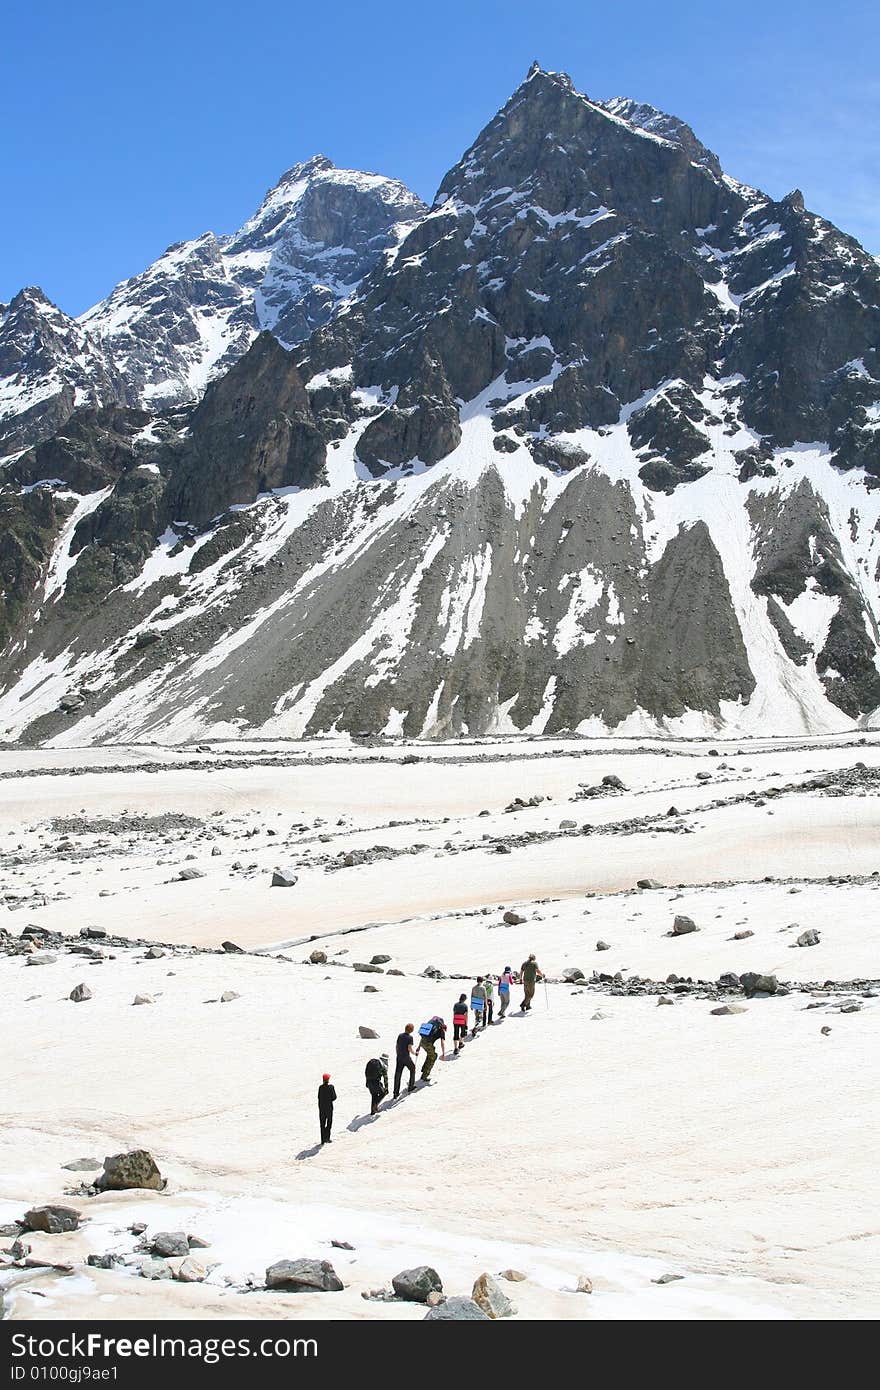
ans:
(482, 1005)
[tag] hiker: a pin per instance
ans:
(505, 980)
(376, 1076)
(429, 1035)
(326, 1097)
(478, 1004)
(404, 1060)
(529, 972)
(490, 999)
(459, 1022)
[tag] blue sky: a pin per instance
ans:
(128, 127)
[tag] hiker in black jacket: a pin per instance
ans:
(326, 1097)
(376, 1076)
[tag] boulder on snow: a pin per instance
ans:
(366, 968)
(379, 959)
(456, 1310)
(488, 1295)
(513, 919)
(169, 1244)
(228, 995)
(414, 1285)
(143, 999)
(53, 1219)
(186, 874)
(682, 925)
(758, 984)
(808, 938)
(603, 946)
(231, 948)
(137, 1168)
(365, 1032)
(649, 883)
(303, 1276)
(572, 973)
(191, 1271)
(515, 1276)
(318, 957)
(610, 780)
(724, 1010)
(80, 993)
(284, 878)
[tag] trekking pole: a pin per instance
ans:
(546, 994)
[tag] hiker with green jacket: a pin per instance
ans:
(530, 972)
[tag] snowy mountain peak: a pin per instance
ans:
(646, 117)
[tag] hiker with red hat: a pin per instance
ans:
(326, 1097)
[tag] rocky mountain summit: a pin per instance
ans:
(160, 337)
(591, 443)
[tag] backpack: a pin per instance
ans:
(432, 1029)
(373, 1070)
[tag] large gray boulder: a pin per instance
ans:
(80, 993)
(682, 925)
(414, 1285)
(169, 1244)
(456, 1309)
(284, 878)
(303, 1276)
(808, 938)
(758, 984)
(137, 1168)
(489, 1296)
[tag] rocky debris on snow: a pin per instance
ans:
(584, 1284)
(513, 919)
(724, 1009)
(667, 1279)
(367, 969)
(742, 935)
(488, 1295)
(52, 1219)
(365, 1032)
(80, 993)
(191, 1271)
(683, 925)
(379, 959)
(572, 973)
(303, 1276)
(431, 972)
(41, 958)
(232, 949)
(825, 1031)
(520, 803)
(456, 1309)
(197, 1243)
(515, 1276)
(186, 875)
(154, 953)
(318, 957)
(103, 1261)
(134, 1169)
(341, 1245)
(414, 1285)
(371, 989)
(82, 1165)
(228, 995)
(143, 999)
(284, 878)
(603, 946)
(808, 938)
(649, 883)
(156, 1269)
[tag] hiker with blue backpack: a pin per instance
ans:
(505, 980)
(478, 1004)
(430, 1034)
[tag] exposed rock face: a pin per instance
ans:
(591, 441)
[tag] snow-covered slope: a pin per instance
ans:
(594, 445)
